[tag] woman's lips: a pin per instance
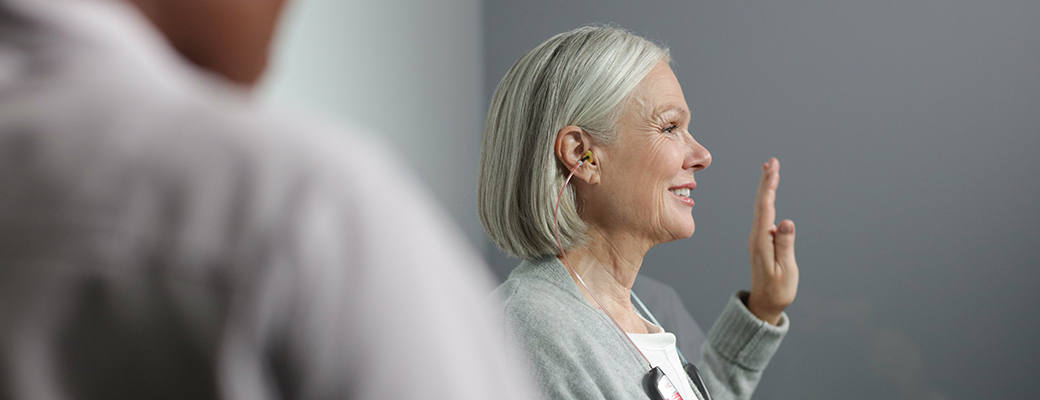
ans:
(686, 200)
(682, 192)
(691, 186)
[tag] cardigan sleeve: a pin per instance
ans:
(738, 348)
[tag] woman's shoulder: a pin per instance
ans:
(571, 345)
(523, 296)
(539, 292)
(547, 319)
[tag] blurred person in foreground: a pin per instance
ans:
(600, 108)
(162, 235)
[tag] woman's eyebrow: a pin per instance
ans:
(682, 111)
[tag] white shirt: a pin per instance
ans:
(163, 236)
(659, 347)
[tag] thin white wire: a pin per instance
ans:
(556, 229)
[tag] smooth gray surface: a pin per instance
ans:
(908, 135)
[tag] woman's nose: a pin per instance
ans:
(699, 158)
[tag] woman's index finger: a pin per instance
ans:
(765, 212)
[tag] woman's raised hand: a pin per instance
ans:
(774, 272)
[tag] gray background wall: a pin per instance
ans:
(908, 133)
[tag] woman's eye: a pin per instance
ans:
(670, 128)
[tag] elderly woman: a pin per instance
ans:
(594, 122)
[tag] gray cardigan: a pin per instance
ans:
(577, 353)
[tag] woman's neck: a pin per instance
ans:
(609, 272)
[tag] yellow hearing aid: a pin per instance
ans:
(587, 156)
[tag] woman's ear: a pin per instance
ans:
(572, 143)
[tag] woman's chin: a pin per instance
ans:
(688, 226)
(684, 232)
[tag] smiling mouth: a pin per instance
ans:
(683, 195)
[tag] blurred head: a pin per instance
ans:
(229, 37)
(580, 78)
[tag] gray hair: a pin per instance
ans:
(583, 78)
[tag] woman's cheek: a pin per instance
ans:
(662, 216)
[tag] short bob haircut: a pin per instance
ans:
(583, 78)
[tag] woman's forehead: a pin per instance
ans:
(648, 108)
(660, 93)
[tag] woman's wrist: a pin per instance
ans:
(765, 312)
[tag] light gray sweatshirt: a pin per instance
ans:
(577, 353)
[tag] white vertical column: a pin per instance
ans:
(410, 69)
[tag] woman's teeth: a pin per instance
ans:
(680, 192)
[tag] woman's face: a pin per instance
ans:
(646, 176)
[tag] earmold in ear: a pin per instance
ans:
(588, 157)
